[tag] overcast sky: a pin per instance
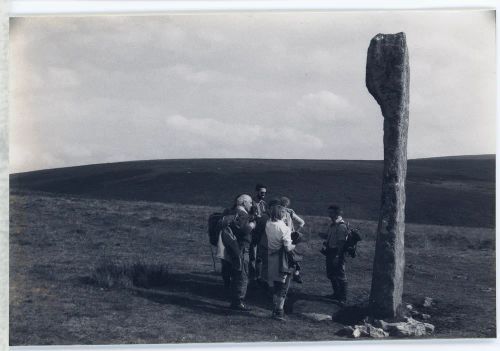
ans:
(259, 85)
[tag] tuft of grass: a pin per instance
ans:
(145, 274)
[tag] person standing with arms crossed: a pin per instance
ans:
(333, 249)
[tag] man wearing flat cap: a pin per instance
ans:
(334, 252)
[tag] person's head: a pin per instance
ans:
(285, 201)
(260, 191)
(277, 212)
(273, 202)
(244, 201)
(334, 211)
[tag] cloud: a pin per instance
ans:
(242, 85)
(325, 106)
(22, 158)
(209, 136)
(192, 74)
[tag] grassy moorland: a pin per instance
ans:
(57, 241)
(453, 191)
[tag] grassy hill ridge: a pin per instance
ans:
(458, 191)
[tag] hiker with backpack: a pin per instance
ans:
(236, 226)
(334, 250)
(216, 223)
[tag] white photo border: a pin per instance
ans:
(21, 8)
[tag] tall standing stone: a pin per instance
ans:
(388, 79)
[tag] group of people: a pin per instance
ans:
(258, 245)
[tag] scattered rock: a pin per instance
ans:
(409, 307)
(382, 324)
(426, 316)
(317, 317)
(428, 302)
(409, 327)
(376, 333)
(365, 331)
(358, 331)
(346, 331)
(429, 328)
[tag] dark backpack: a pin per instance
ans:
(214, 227)
(218, 221)
(352, 239)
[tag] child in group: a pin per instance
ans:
(290, 219)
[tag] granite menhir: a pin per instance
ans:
(387, 79)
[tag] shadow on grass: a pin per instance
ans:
(204, 292)
(259, 294)
(197, 289)
(197, 305)
(210, 286)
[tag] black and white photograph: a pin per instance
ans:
(247, 177)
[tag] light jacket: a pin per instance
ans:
(279, 241)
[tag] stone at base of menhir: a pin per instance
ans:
(427, 302)
(406, 328)
(365, 331)
(376, 333)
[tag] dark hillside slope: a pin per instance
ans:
(448, 191)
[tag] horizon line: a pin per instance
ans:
(246, 158)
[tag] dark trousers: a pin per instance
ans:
(239, 278)
(226, 268)
(335, 271)
(255, 264)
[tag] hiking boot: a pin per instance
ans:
(279, 315)
(296, 278)
(239, 306)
